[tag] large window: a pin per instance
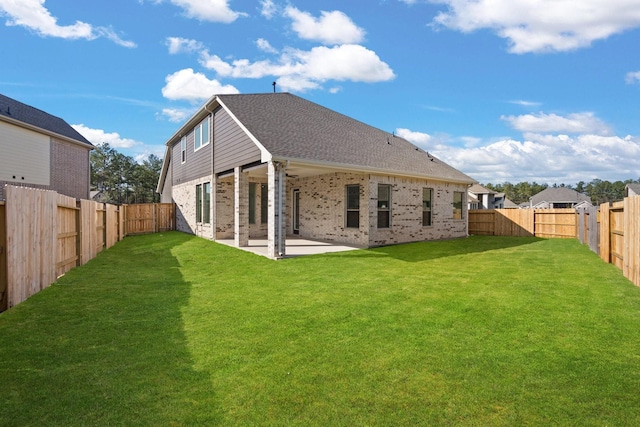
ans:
(252, 203)
(199, 203)
(206, 208)
(264, 203)
(427, 195)
(384, 205)
(353, 206)
(203, 203)
(201, 135)
(183, 149)
(458, 199)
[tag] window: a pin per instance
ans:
(206, 208)
(264, 203)
(183, 149)
(427, 194)
(199, 203)
(458, 198)
(252, 203)
(353, 206)
(384, 205)
(203, 203)
(201, 135)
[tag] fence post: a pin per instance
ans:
(605, 233)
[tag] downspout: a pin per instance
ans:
(214, 184)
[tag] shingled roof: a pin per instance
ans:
(12, 110)
(290, 127)
(559, 195)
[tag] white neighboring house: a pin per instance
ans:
(482, 198)
(631, 190)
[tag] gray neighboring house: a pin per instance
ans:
(41, 151)
(558, 198)
(631, 190)
(483, 198)
(275, 165)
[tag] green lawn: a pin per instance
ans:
(170, 329)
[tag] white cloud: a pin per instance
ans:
(32, 14)
(99, 137)
(524, 103)
(195, 87)
(418, 138)
(633, 77)
(176, 115)
(542, 25)
(330, 28)
(268, 8)
(208, 10)
(585, 122)
(265, 46)
(303, 70)
(181, 45)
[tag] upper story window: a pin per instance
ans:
(183, 149)
(201, 135)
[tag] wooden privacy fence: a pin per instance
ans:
(612, 231)
(560, 223)
(44, 234)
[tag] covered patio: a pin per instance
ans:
(295, 246)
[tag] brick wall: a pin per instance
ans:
(184, 196)
(322, 209)
(69, 169)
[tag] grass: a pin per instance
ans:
(170, 329)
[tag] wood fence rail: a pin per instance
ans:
(44, 234)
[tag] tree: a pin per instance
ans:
(120, 179)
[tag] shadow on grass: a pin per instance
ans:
(106, 345)
(424, 251)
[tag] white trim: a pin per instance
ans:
(265, 155)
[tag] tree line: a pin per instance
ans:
(120, 179)
(598, 190)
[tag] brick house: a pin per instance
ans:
(42, 151)
(276, 165)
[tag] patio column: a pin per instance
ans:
(241, 214)
(277, 224)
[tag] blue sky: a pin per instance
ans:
(504, 90)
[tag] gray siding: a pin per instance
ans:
(232, 146)
(198, 163)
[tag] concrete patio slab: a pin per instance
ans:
(295, 246)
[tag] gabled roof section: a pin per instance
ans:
(292, 128)
(635, 188)
(559, 195)
(479, 189)
(15, 111)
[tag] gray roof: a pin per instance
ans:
(290, 127)
(15, 110)
(633, 187)
(479, 189)
(559, 195)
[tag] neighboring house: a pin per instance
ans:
(272, 165)
(559, 197)
(42, 151)
(482, 198)
(631, 190)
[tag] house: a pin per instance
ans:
(275, 165)
(482, 198)
(42, 151)
(632, 190)
(559, 197)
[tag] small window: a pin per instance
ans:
(264, 203)
(201, 135)
(252, 203)
(199, 203)
(427, 194)
(206, 208)
(458, 198)
(353, 206)
(183, 149)
(384, 205)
